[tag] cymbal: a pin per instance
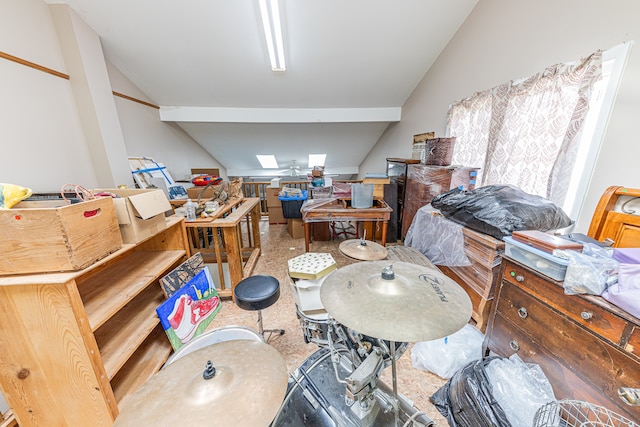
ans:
(363, 250)
(396, 301)
(247, 389)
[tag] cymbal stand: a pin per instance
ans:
(396, 414)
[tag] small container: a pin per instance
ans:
(211, 207)
(190, 209)
(361, 195)
(545, 263)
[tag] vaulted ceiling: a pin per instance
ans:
(350, 67)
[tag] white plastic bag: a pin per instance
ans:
(447, 355)
(591, 271)
(519, 388)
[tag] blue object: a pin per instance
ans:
(289, 198)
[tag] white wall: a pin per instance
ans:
(503, 40)
(41, 137)
(147, 136)
(44, 138)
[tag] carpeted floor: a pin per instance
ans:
(277, 248)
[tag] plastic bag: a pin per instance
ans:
(499, 210)
(520, 388)
(437, 238)
(591, 271)
(466, 400)
(445, 356)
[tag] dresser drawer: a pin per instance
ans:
(560, 345)
(596, 318)
(505, 339)
(633, 345)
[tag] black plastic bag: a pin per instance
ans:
(499, 210)
(466, 400)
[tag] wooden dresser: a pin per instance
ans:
(586, 346)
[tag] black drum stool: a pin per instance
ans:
(255, 293)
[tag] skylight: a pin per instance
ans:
(316, 160)
(268, 161)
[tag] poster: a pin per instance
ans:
(188, 312)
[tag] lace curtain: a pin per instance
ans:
(527, 133)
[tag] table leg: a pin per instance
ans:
(307, 235)
(385, 225)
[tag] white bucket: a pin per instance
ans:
(361, 195)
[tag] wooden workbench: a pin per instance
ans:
(324, 210)
(221, 239)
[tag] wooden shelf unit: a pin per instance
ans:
(76, 344)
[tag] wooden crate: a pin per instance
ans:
(49, 235)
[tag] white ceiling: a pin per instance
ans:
(363, 57)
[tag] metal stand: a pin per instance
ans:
(395, 382)
(262, 331)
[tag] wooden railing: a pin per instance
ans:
(258, 189)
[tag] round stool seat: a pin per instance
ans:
(257, 292)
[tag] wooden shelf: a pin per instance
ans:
(78, 343)
(119, 338)
(108, 291)
(148, 360)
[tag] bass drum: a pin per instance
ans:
(226, 333)
(316, 398)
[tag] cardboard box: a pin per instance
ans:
(50, 235)
(295, 227)
(141, 213)
(209, 193)
(276, 216)
(378, 186)
(272, 197)
(205, 171)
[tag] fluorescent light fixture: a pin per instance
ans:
(268, 161)
(316, 160)
(270, 11)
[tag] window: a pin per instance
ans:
(541, 133)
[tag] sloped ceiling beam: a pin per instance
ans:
(279, 115)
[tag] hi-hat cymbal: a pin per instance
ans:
(407, 303)
(247, 389)
(363, 250)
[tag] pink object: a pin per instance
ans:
(627, 255)
(626, 293)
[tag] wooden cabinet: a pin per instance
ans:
(479, 279)
(586, 346)
(395, 194)
(74, 345)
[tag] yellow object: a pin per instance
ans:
(10, 194)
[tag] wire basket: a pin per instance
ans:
(575, 413)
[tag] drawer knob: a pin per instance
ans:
(519, 278)
(586, 315)
(522, 312)
(514, 345)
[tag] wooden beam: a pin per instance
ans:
(33, 65)
(139, 101)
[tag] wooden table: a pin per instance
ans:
(221, 239)
(323, 210)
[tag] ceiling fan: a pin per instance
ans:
(293, 170)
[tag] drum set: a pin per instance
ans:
(373, 309)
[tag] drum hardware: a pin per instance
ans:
(403, 302)
(315, 398)
(361, 385)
